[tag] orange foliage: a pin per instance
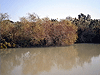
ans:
(40, 32)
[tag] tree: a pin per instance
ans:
(69, 18)
(33, 17)
(4, 16)
(88, 17)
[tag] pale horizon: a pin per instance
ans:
(53, 9)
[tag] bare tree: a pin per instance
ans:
(4, 16)
(33, 17)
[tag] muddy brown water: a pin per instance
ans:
(77, 59)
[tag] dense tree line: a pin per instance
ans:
(32, 31)
(88, 29)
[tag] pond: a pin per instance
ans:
(77, 59)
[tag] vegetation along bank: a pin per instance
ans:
(32, 31)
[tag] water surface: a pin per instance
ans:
(78, 59)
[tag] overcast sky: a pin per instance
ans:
(50, 8)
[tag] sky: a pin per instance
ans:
(50, 8)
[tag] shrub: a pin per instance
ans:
(57, 33)
(7, 30)
(33, 31)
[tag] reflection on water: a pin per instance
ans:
(78, 59)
